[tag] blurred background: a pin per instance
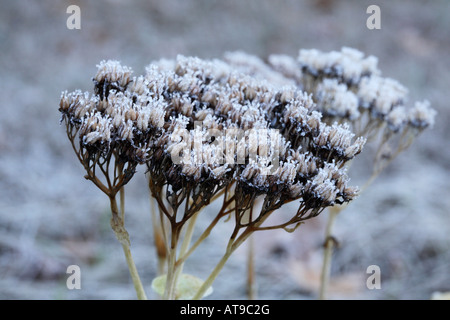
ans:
(51, 217)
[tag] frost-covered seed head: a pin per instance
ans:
(258, 129)
(422, 115)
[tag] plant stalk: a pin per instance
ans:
(117, 224)
(169, 291)
(329, 244)
(158, 238)
(134, 274)
(213, 275)
(251, 277)
(233, 244)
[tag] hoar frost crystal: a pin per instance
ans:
(240, 128)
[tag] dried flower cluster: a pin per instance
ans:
(202, 129)
(347, 88)
(237, 127)
(200, 126)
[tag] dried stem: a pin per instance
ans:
(175, 264)
(222, 212)
(251, 276)
(235, 242)
(169, 291)
(118, 227)
(328, 245)
(158, 236)
(134, 273)
(184, 246)
(127, 122)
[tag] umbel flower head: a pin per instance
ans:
(347, 87)
(201, 126)
(239, 129)
(111, 125)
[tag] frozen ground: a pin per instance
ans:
(51, 217)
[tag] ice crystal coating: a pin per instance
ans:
(335, 100)
(348, 88)
(211, 123)
(281, 131)
(422, 115)
(216, 122)
(348, 65)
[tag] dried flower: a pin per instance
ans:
(334, 100)
(348, 65)
(422, 115)
(346, 87)
(381, 95)
(206, 127)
